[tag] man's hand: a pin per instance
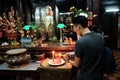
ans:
(66, 57)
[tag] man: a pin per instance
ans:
(88, 51)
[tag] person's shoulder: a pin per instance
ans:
(96, 33)
(80, 41)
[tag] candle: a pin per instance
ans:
(59, 57)
(53, 55)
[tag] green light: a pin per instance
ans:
(27, 27)
(61, 25)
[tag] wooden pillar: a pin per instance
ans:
(19, 5)
(27, 11)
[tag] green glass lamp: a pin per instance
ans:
(26, 27)
(60, 26)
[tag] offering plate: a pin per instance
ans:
(56, 62)
(64, 43)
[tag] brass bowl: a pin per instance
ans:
(17, 60)
(2, 60)
(17, 57)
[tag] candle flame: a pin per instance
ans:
(53, 55)
(59, 54)
(53, 52)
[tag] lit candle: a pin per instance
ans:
(53, 55)
(59, 57)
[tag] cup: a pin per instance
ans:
(71, 55)
(40, 56)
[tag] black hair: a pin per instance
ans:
(82, 20)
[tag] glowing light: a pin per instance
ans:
(61, 25)
(112, 10)
(27, 27)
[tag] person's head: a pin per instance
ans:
(80, 20)
(80, 23)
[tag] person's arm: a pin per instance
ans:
(76, 62)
